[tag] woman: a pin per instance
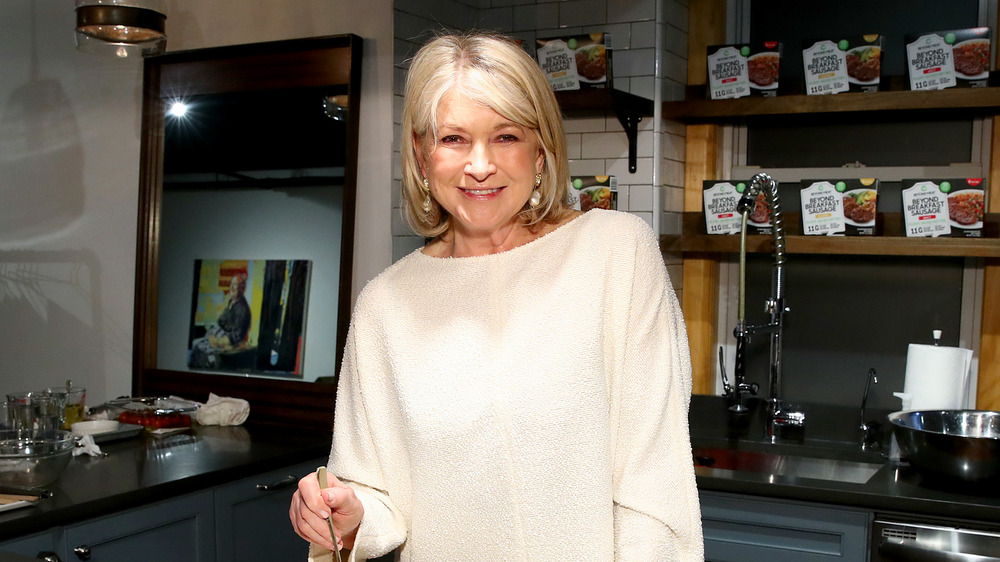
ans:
(518, 388)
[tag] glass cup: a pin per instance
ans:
(75, 398)
(49, 411)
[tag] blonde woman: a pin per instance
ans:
(518, 388)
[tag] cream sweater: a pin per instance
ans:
(526, 405)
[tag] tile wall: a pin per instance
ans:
(596, 145)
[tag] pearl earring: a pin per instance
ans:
(427, 197)
(536, 196)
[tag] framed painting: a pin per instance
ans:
(249, 316)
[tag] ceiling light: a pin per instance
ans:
(121, 27)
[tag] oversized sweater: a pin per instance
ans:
(526, 405)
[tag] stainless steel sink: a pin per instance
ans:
(708, 459)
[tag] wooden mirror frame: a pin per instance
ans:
(297, 63)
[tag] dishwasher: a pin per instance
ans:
(897, 541)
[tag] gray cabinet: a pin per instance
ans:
(242, 520)
(252, 517)
(741, 528)
(181, 528)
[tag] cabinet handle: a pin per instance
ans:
(48, 556)
(82, 552)
(283, 483)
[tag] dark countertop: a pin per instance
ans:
(144, 469)
(830, 433)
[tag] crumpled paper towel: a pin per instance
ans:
(223, 410)
(86, 446)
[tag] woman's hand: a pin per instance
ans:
(311, 506)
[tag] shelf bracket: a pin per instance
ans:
(630, 122)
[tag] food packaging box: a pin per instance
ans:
(944, 207)
(735, 71)
(576, 62)
(593, 192)
(825, 65)
(721, 217)
(839, 207)
(946, 59)
(864, 62)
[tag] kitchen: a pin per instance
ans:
(98, 180)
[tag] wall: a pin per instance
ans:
(596, 145)
(69, 173)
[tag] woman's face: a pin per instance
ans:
(481, 167)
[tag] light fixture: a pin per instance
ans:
(121, 27)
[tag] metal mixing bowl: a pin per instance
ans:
(35, 460)
(963, 444)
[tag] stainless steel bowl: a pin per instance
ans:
(963, 444)
(35, 460)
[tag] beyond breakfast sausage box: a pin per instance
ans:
(825, 65)
(576, 62)
(944, 207)
(735, 71)
(839, 207)
(593, 192)
(946, 59)
(721, 217)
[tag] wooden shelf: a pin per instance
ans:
(979, 101)
(629, 108)
(695, 240)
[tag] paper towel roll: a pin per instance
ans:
(937, 377)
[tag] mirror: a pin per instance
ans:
(246, 222)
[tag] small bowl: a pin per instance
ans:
(36, 460)
(93, 427)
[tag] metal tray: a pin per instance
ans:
(155, 404)
(124, 431)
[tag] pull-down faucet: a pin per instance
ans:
(779, 413)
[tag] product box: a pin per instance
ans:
(593, 192)
(946, 59)
(825, 65)
(944, 207)
(721, 217)
(735, 71)
(839, 207)
(864, 62)
(576, 62)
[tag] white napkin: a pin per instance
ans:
(223, 410)
(87, 446)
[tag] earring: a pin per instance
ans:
(427, 197)
(536, 196)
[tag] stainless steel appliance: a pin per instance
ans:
(897, 541)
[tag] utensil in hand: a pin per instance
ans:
(321, 473)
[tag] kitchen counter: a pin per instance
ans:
(831, 434)
(144, 469)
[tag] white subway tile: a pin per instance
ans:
(642, 86)
(584, 124)
(587, 167)
(622, 201)
(499, 19)
(583, 12)
(676, 13)
(640, 198)
(631, 11)
(643, 35)
(634, 62)
(604, 145)
(648, 217)
(573, 146)
(537, 16)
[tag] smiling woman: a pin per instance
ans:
(481, 398)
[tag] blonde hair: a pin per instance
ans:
(496, 72)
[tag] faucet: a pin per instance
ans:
(779, 413)
(867, 431)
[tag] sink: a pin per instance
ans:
(777, 464)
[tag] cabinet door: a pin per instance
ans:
(177, 529)
(252, 516)
(33, 545)
(738, 528)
